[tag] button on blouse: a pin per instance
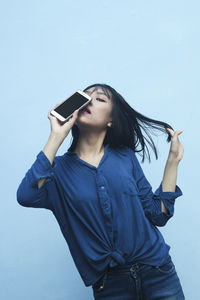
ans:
(108, 215)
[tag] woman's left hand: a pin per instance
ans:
(176, 148)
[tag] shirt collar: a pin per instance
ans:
(106, 149)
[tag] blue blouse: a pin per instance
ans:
(108, 215)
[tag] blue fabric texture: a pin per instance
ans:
(108, 215)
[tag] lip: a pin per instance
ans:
(85, 109)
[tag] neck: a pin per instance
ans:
(91, 146)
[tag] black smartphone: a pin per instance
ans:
(65, 110)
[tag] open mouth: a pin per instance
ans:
(86, 110)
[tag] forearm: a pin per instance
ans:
(50, 150)
(169, 178)
(51, 147)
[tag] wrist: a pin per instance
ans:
(56, 137)
(172, 159)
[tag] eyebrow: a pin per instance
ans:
(100, 93)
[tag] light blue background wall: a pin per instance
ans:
(149, 52)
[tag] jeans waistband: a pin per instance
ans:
(127, 265)
(135, 265)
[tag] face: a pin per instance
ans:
(100, 107)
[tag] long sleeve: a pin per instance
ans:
(28, 194)
(151, 202)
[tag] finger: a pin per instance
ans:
(73, 117)
(180, 131)
(170, 131)
(57, 104)
(50, 115)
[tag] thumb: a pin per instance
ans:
(73, 118)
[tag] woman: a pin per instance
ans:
(103, 202)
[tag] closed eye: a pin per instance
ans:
(101, 99)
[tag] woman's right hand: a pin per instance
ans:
(59, 128)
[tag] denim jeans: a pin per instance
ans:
(139, 282)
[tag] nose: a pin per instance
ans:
(91, 102)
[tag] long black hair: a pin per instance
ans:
(127, 125)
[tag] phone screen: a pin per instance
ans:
(71, 104)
